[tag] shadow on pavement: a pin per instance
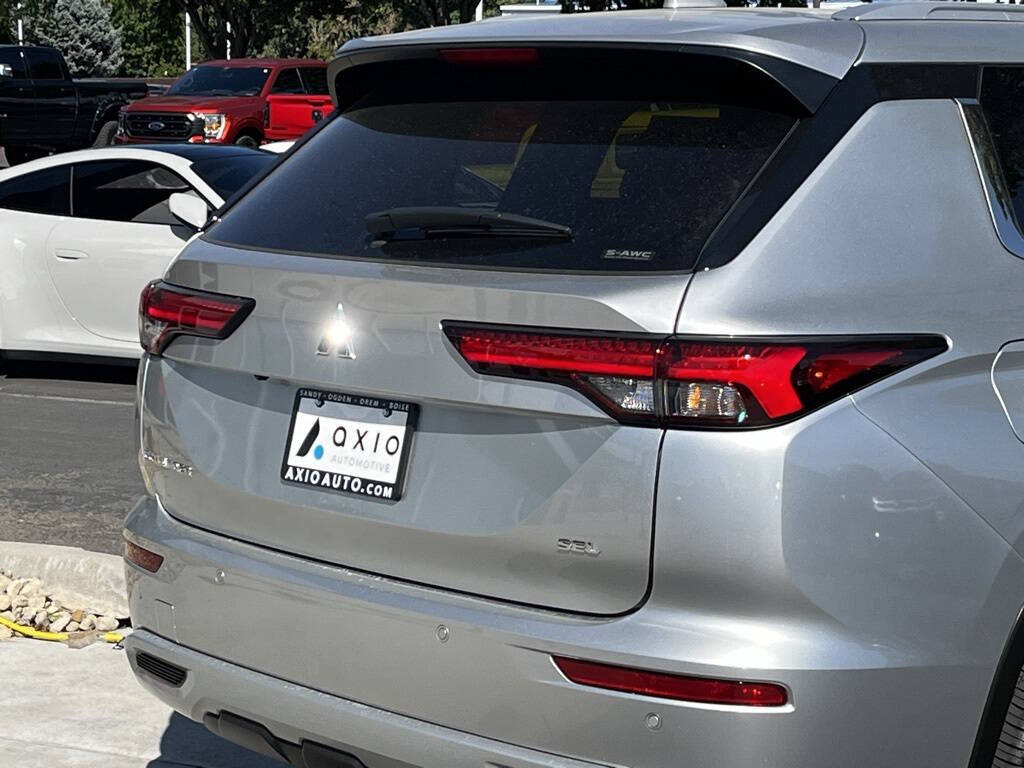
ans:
(100, 371)
(186, 743)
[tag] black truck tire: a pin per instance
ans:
(105, 135)
(247, 140)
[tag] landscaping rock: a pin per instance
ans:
(60, 622)
(30, 603)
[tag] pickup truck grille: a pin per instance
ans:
(156, 125)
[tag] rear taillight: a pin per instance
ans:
(704, 690)
(692, 382)
(166, 311)
(490, 56)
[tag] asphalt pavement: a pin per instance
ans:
(68, 471)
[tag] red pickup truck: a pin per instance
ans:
(236, 101)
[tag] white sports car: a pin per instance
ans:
(81, 234)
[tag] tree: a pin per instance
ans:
(152, 35)
(253, 24)
(6, 22)
(575, 6)
(81, 30)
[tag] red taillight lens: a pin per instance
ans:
(166, 311)
(667, 686)
(149, 561)
(695, 382)
(490, 56)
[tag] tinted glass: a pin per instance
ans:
(227, 175)
(220, 81)
(44, 65)
(287, 82)
(12, 57)
(1002, 100)
(47, 191)
(125, 190)
(642, 184)
(316, 80)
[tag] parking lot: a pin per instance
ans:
(69, 473)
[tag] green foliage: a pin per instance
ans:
(578, 6)
(152, 35)
(6, 35)
(81, 30)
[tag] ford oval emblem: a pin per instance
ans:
(156, 126)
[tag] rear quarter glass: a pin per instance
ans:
(641, 174)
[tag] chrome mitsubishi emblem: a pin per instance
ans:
(336, 337)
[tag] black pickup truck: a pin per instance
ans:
(43, 110)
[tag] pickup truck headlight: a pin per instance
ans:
(214, 126)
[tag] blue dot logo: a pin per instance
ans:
(318, 452)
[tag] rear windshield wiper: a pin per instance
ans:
(424, 222)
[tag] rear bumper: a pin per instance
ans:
(295, 714)
(352, 661)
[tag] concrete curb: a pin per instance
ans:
(76, 577)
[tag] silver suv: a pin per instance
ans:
(637, 389)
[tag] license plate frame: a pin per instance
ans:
(355, 410)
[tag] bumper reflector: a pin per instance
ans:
(149, 561)
(703, 690)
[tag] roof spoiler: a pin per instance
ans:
(807, 87)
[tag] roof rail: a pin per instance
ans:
(917, 10)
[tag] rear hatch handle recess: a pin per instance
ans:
(425, 222)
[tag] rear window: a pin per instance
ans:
(227, 175)
(640, 182)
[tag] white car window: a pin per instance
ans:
(125, 190)
(46, 191)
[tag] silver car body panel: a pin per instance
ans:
(938, 40)
(554, 461)
(867, 556)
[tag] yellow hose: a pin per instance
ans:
(60, 637)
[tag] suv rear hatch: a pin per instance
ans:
(485, 190)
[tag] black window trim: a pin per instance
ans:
(993, 180)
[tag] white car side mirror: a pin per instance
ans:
(189, 209)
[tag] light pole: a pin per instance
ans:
(21, 37)
(188, 42)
